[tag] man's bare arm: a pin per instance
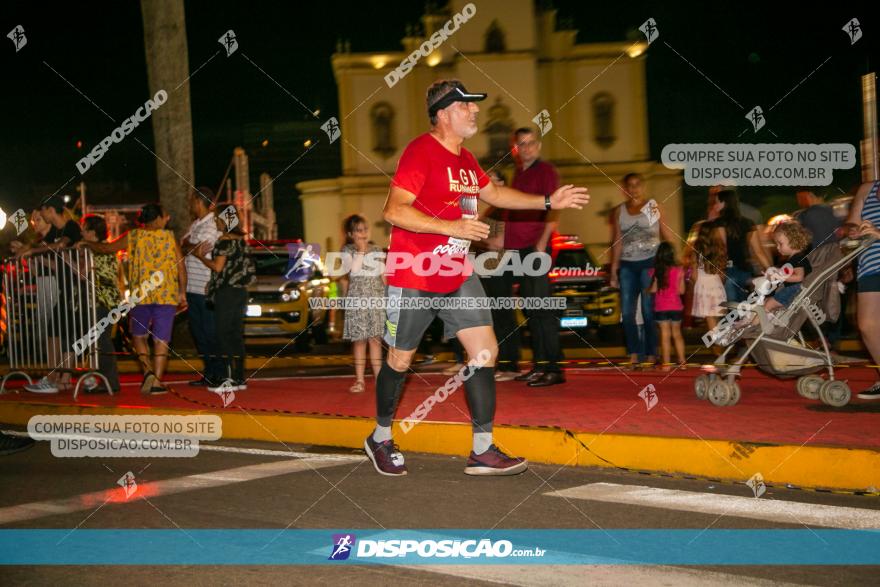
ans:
(399, 211)
(502, 196)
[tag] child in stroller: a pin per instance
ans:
(775, 341)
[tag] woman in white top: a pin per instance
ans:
(636, 229)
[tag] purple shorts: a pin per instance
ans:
(155, 319)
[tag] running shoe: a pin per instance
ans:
(872, 392)
(13, 444)
(495, 462)
(42, 386)
(385, 456)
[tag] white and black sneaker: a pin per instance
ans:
(872, 392)
(42, 386)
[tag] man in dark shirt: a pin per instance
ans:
(64, 231)
(817, 216)
(527, 231)
(66, 320)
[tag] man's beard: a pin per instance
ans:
(469, 130)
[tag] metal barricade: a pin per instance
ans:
(49, 311)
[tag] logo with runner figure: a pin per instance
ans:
(342, 547)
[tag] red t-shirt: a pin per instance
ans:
(444, 184)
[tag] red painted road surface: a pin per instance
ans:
(593, 400)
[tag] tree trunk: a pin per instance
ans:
(167, 68)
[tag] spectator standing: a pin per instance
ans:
(62, 233)
(153, 256)
(707, 264)
(742, 243)
(667, 285)
(203, 230)
(107, 297)
(526, 232)
(817, 216)
(864, 219)
(636, 229)
(690, 260)
(231, 272)
(364, 326)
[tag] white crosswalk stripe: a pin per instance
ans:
(762, 508)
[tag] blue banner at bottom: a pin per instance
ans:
(441, 546)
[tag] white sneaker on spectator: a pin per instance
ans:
(42, 386)
(227, 385)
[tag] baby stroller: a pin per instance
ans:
(776, 344)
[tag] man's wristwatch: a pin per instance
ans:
(546, 201)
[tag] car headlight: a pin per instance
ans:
(291, 295)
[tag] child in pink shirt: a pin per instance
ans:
(667, 285)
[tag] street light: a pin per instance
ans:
(2, 219)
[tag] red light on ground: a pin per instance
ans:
(79, 144)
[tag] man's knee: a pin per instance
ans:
(487, 357)
(400, 360)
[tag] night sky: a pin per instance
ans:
(755, 55)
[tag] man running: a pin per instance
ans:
(432, 206)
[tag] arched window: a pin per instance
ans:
(495, 39)
(603, 119)
(382, 117)
(499, 127)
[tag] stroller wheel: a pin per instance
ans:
(809, 386)
(701, 386)
(735, 393)
(719, 393)
(835, 393)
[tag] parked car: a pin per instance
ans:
(278, 301)
(590, 301)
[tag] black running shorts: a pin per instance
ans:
(463, 308)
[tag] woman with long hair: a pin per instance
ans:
(708, 260)
(364, 326)
(743, 244)
(667, 285)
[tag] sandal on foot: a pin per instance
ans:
(358, 387)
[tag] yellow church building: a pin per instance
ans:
(593, 93)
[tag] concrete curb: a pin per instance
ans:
(835, 468)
